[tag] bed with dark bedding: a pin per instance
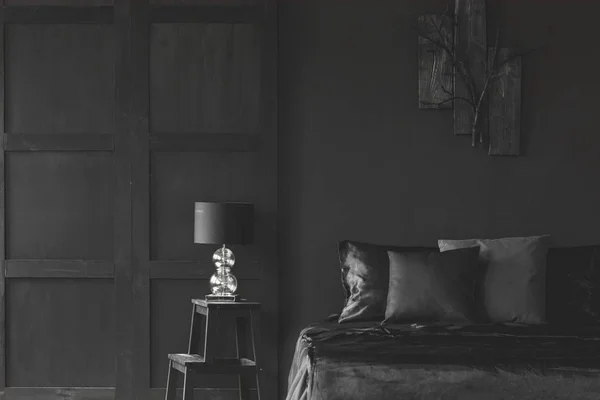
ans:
(370, 361)
(480, 319)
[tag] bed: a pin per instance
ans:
(368, 361)
(367, 355)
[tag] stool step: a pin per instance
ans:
(187, 359)
(218, 366)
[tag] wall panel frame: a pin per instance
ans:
(129, 270)
(65, 178)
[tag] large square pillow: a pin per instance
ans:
(514, 285)
(433, 286)
(365, 278)
(573, 286)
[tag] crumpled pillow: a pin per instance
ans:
(365, 279)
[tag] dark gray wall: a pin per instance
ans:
(359, 160)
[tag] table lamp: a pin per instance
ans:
(223, 224)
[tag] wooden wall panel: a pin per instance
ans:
(60, 332)
(180, 179)
(60, 206)
(170, 315)
(204, 78)
(95, 203)
(60, 79)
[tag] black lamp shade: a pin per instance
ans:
(223, 223)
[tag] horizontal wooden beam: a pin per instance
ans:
(203, 393)
(54, 393)
(58, 15)
(59, 269)
(200, 142)
(206, 14)
(59, 142)
(200, 270)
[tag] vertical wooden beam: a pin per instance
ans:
(132, 134)
(267, 211)
(470, 46)
(435, 64)
(122, 221)
(2, 212)
(140, 195)
(132, 27)
(505, 106)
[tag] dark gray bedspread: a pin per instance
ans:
(367, 361)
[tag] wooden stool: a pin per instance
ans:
(247, 318)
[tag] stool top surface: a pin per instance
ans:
(229, 304)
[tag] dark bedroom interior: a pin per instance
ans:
(359, 200)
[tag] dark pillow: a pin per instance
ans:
(573, 285)
(433, 287)
(365, 273)
(514, 287)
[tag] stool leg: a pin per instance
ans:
(188, 387)
(195, 332)
(171, 382)
(241, 330)
(256, 348)
(211, 336)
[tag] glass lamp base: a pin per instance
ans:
(223, 283)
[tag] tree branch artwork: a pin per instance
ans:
(459, 56)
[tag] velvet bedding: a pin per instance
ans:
(368, 361)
